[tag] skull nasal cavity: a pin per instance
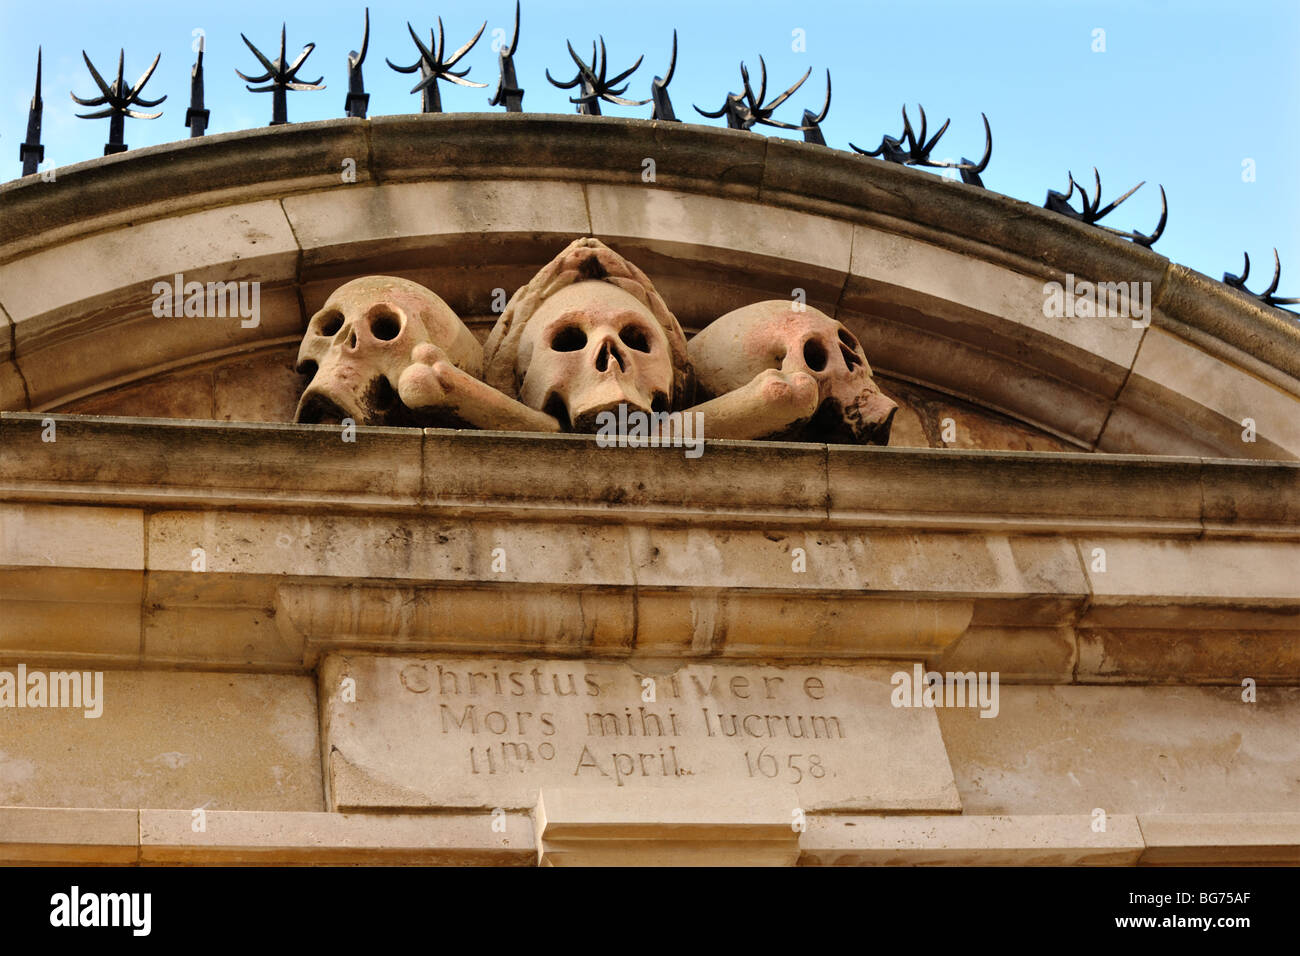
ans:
(569, 339)
(605, 354)
(385, 326)
(851, 360)
(814, 354)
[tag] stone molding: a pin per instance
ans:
(70, 836)
(386, 544)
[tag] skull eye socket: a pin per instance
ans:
(634, 338)
(569, 339)
(814, 354)
(331, 323)
(385, 324)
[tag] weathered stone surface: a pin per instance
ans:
(281, 838)
(186, 174)
(1017, 653)
(793, 248)
(1220, 839)
(169, 739)
(477, 732)
(362, 224)
(183, 395)
(1175, 382)
(260, 389)
(13, 391)
(921, 840)
(45, 835)
(956, 288)
(248, 242)
(1127, 750)
(212, 459)
(653, 828)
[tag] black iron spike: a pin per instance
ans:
(282, 77)
(358, 100)
(663, 106)
(1092, 211)
(433, 68)
(911, 148)
(196, 117)
(592, 84)
(30, 151)
(509, 93)
(812, 122)
(1268, 296)
(746, 110)
(119, 98)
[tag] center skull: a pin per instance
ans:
(590, 347)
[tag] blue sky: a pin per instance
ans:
(1183, 94)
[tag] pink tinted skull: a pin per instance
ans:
(780, 334)
(360, 342)
(590, 347)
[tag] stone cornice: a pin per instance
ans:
(261, 547)
(166, 463)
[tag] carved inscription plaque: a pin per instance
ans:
(482, 732)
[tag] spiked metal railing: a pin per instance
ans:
(812, 122)
(918, 149)
(31, 152)
(282, 78)
(358, 99)
(509, 93)
(663, 106)
(1267, 296)
(745, 110)
(433, 67)
(119, 98)
(594, 86)
(1092, 210)
(196, 117)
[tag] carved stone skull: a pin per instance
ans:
(588, 333)
(590, 347)
(360, 342)
(737, 348)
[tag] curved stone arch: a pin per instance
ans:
(942, 282)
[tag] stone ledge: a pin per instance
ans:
(1218, 839)
(585, 828)
(622, 551)
(40, 835)
(176, 464)
(970, 841)
(68, 837)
